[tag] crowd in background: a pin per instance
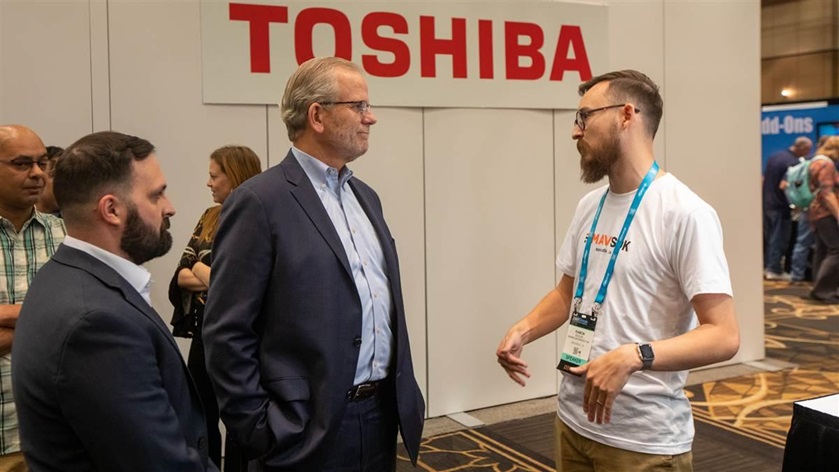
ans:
(801, 243)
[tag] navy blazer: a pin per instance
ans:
(283, 318)
(99, 382)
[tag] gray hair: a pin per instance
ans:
(312, 82)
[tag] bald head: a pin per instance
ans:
(10, 133)
(802, 146)
(22, 177)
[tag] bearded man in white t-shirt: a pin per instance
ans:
(645, 289)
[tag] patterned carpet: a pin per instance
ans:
(759, 406)
(741, 422)
(476, 449)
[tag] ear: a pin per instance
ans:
(629, 114)
(111, 210)
(315, 117)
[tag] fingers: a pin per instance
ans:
(516, 372)
(515, 367)
(597, 404)
(516, 378)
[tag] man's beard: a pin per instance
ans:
(141, 241)
(598, 162)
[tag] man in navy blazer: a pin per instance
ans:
(99, 382)
(304, 328)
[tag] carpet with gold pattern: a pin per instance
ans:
(759, 406)
(741, 422)
(476, 449)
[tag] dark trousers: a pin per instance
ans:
(804, 239)
(233, 460)
(366, 441)
(826, 258)
(776, 235)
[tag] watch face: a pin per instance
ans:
(647, 351)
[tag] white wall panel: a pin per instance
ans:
(100, 67)
(394, 168)
(278, 143)
(490, 250)
(712, 107)
(636, 41)
(155, 57)
(45, 80)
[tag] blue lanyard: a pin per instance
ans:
(607, 277)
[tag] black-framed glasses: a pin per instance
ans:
(25, 164)
(361, 106)
(582, 115)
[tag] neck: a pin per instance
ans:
(315, 149)
(44, 208)
(18, 216)
(102, 238)
(626, 175)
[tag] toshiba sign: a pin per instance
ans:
(487, 55)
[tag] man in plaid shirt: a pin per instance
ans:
(824, 217)
(28, 239)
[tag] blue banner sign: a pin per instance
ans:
(781, 124)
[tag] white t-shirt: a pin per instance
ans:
(672, 252)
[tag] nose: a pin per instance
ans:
(370, 117)
(576, 132)
(36, 171)
(168, 209)
(210, 183)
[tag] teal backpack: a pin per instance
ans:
(798, 183)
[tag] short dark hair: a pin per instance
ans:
(635, 87)
(54, 152)
(99, 162)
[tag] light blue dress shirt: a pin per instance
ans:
(367, 262)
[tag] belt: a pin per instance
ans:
(364, 391)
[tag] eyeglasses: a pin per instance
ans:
(25, 164)
(582, 115)
(361, 106)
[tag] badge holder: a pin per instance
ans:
(579, 339)
(580, 336)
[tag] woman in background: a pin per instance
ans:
(229, 167)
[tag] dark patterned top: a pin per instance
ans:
(188, 316)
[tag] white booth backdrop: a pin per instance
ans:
(478, 199)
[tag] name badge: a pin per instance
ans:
(578, 341)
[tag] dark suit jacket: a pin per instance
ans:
(99, 382)
(283, 318)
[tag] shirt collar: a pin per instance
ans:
(137, 276)
(40, 218)
(35, 216)
(318, 172)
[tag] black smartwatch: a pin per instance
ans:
(645, 352)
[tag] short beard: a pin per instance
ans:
(140, 241)
(599, 162)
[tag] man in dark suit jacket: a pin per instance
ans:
(99, 381)
(304, 328)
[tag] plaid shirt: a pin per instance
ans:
(21, 255)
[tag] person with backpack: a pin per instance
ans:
(777, 221)
(824, 218)
(804, 237)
